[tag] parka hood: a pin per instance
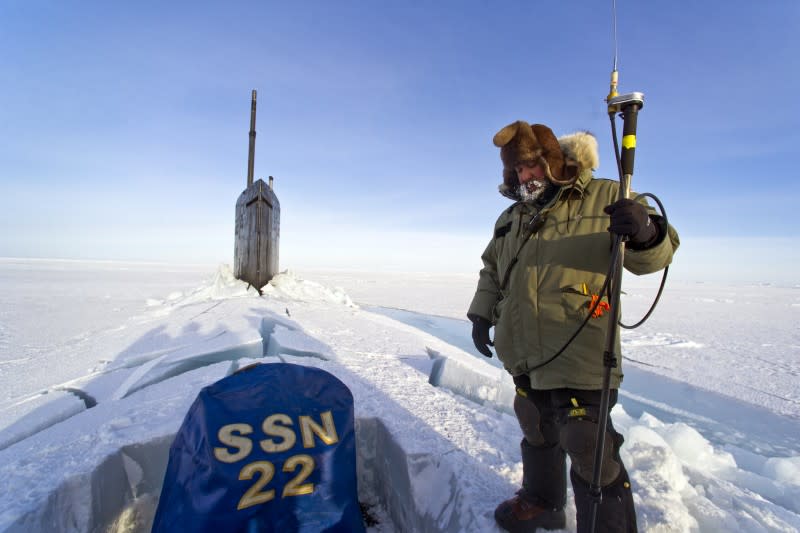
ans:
(580, 153)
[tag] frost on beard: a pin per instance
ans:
(531, 190)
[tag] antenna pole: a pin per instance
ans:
(629, 105)
(252, 151)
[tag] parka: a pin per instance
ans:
(557, 271)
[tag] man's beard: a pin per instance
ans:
(531, 190)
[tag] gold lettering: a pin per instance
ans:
(227, 436)
(309, 428)
(254, 495)
(296, 487)
(271, 427)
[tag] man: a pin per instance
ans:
(543, 273)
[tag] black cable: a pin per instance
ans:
(666, 268)
(666, 223)
(603, 289)
(616, 144)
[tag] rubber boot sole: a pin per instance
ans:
(547, 520)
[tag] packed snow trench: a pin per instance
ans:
(437, 445)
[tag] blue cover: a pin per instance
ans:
(270, 448)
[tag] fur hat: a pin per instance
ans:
(580, 152)
(521, 142)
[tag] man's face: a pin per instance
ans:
(532, 181)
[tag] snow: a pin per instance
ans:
(99, 363)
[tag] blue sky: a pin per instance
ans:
(123, 127)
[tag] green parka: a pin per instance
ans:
(550, 288)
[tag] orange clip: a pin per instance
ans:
(600, 309)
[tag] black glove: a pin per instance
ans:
(630, 218)
(480, 334)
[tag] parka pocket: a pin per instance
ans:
(579, 299)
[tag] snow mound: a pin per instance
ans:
(287, 285)
(224, 286)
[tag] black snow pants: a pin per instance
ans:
(560, 422)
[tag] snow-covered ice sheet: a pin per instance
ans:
(437, 447)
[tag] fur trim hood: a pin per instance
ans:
(563, 159)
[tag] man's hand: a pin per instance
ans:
(630, 218)
(480, 334)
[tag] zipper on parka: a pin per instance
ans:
(531, 227)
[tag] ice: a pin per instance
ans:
(437, 445)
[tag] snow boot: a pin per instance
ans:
(615, 514)
(540, 502)
(518, 515)
(544, 475)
